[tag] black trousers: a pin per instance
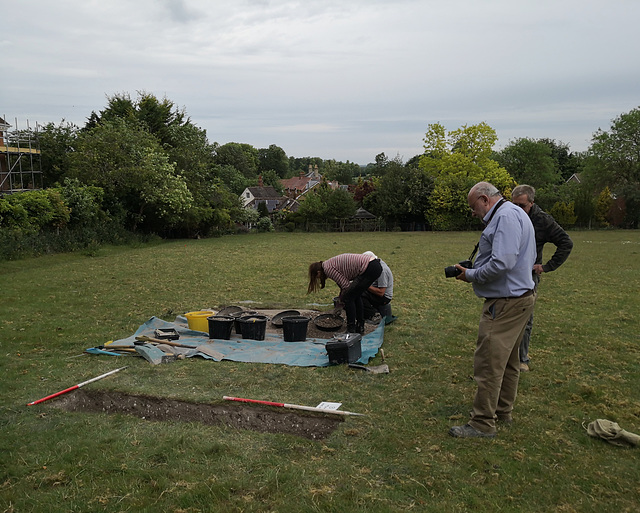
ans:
(352, 297)
(373, 304)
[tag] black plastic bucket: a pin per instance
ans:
(220, 326)
(294, 328)
(238, 315)
(253, 327)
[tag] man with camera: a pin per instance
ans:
(502, 276)
(546, 230)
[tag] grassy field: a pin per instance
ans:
(585, 365)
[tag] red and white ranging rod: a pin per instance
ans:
(291, 406)
(75, 387)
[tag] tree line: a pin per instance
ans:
(141, 166)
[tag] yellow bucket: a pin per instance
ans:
(198, 320)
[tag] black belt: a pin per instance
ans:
(526, 294)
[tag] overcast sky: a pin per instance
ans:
(341, 79)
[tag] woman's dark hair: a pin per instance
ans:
(317, 277)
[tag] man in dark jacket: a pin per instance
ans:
(547, 230)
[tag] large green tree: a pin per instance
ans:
(216, 203)
(187, 150)
(341, 172)
(185, 143)
(323, 204)
(568, 162)
(401, 194)
(141, 185)
(156, 116)
(271, 178)
(455, 161)
(57, 142)
(233, 179)
(530, 162)
(274, 159)
(190, 151)
(299, 165)
(241, 156)
(614, 161)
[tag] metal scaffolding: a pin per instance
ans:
(20, 159)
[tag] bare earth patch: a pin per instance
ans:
(263, 419)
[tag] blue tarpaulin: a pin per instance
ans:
(273, 349)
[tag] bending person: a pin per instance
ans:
(353, 273)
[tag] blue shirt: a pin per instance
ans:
(506, 254)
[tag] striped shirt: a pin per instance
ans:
(344, 268)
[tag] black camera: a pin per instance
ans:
(452, 271)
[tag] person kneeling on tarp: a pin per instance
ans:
(377, 298)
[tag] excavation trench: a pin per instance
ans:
(242, 416)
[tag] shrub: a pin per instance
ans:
(265, 225)
(34, 210)
(13, 216)
(84, 201)
(563, 213)
(16, 243)
(603, 206)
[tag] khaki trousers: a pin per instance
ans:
(496, 363)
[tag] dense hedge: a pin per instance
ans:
(55, 220)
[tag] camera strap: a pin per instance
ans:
(498, 205)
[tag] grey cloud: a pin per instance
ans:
(335, 79)
(180, 11)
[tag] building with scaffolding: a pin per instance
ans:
(20, 159)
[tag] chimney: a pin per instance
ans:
(260, 183)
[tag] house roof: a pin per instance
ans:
(264, 192)
(290, 204)
(361, 213)
(299, 183)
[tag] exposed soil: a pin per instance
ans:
(328, 322)
(314, 426)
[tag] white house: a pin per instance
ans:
(252, 196)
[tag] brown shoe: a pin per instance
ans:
(468, 431)
(524, 367)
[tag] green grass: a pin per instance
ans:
(585, 365)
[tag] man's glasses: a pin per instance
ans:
(473, 203)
